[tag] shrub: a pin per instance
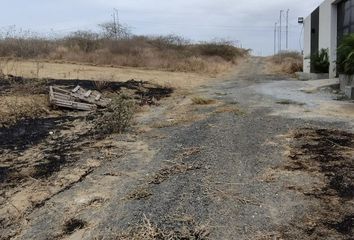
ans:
(320, 61)
(85, 41)
(288, 62)
(169, 42)
(345, 56)
(221, 49)
(118, 117)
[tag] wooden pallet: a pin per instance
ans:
(93, 97)
(63, 98)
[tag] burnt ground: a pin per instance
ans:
(45, 155)
(224, 171)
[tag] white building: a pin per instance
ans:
(325, 28)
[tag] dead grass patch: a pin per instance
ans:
(166, 172)
(188, 152)
(286, 62)
(202, 101)
(182, 119)
(149, 231)
(16, 108)
(140, 193)
(230, 109)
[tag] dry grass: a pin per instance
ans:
(149, 231)
(230, 109)
(286, 62)
(180, 120)
(16, 108)
(165, 173)
(59, 70)
(143, 192)
(171, 53)
(202, 101)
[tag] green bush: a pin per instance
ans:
(345, 56)
(118, 116)
(320, 61)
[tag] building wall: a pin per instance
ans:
(327, 35)
(307, 44)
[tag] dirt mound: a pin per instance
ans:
(327, 154)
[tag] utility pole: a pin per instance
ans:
(280, 29)
(116, 23)
(275, 38)
(287, 29)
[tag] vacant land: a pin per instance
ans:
(223, 160)
(43, 70)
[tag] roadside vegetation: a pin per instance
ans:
(320, 61)
(345, 55)
(114, 45)
(118, 116)
(286, 62)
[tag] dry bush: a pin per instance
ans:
(84, 41)
(221, 49)
(14, 109)
(118, 117)
(171, 52)
(287, 62)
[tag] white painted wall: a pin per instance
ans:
(327, 35)
(328, 32)
(307, 44)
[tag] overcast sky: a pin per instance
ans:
(249, 21)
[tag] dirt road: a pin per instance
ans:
(241, 167)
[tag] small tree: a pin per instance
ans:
(114, 30)
(85, 41)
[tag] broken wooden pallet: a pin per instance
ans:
(63, 98)
(93, 97)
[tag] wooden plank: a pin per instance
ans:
(88, 93)
(76, 89)
(98, 97)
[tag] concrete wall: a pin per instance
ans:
(307, 44)
(328, 32)
(327, 35)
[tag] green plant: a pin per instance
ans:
(320, 61)
(118, 117)
(345, 55)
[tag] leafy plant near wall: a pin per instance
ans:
(320, 61)
(345, 56)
